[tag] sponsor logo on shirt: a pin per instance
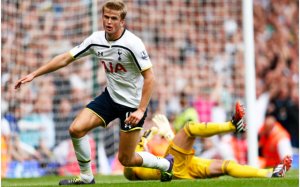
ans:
(127, 126)
(113, 68)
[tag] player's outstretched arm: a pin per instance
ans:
(53, 65)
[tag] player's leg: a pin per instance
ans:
(129, 138)
(83, 123)
(141, 173)
(129, 158)
(202, 168)
(97, 113)
(127, 146)
(183, 140)
(234, 169)
(186, 136)
(207, 168)
(180, 147)
(231, 168)
(182, 159)
(237, 124)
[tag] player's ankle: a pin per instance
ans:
(87, 177)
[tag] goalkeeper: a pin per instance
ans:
(188, 166)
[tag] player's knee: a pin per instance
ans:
(75, 132)
(186, 128)
(125, 160)
(215, 168)
(227, 166)
(72, 131)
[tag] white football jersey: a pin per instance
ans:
(123, 60)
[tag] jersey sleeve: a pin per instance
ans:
(83, 49)
(141, 55)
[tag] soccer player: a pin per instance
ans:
(130, 82)
(188, 166)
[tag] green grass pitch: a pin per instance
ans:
(291, 180)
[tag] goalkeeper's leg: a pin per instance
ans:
(185, 138)
(141, 173)
(194, 129)
(232, 168)
(237, 124)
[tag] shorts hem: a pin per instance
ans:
(133, 129)
(105, 125)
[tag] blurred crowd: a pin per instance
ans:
(196, 48)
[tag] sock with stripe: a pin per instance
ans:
(151, 161)
(83, 154)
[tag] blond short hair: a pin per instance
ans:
(118, 5)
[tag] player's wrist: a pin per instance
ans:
(142, 110)
(34, 74)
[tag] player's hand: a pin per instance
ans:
(135, 117)
(27, 78)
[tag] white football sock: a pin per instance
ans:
(83, 154)
(151, 161)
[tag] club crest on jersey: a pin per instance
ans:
(111, 68)
(119, 53)
(144, 55)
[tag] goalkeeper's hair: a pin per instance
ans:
(118, 5)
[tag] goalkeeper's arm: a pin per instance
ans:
(163, 126)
